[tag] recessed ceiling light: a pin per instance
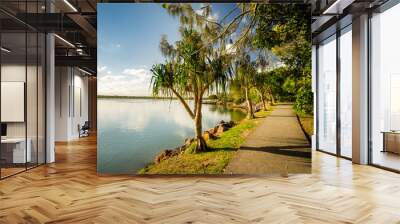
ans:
(5, 50)
(64, 40)
(70, 5)
(86, 72)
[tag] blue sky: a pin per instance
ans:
(128, 44)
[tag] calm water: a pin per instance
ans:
(132, 131)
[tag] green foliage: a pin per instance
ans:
(213, 97)
(290, 85)
(192, 66)
(211, 162)
(285, 30)
(304, 97)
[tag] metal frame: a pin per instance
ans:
(337, 34)
(387, 5)
(317, 91)
(338, 98)
(44, 74)
(381, 9)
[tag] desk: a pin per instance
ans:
(16, 147)
(391, 141)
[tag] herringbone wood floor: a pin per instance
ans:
(69, 191)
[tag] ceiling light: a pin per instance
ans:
(64, 40)
(70, 5)
(86, 72)
(337, 7)
(5, 50)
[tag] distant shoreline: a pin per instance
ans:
(142, 97)
(135, 97)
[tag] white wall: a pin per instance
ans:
(70, 84)
(17, 73)
(33, 126)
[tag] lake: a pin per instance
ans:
(132, 131)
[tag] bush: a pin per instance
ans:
(304, 103)
(213, 97)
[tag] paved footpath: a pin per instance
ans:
(277, 146)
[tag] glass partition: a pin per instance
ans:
(327, 95)
(31, 98)
(41, 97)
(22, 77)
(385, 89)
(14, 153)
(346, 92)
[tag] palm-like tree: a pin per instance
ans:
(245, 78)
(190, 71)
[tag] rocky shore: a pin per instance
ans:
(211, 133)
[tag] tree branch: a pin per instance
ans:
(223, 32)
(191, 114)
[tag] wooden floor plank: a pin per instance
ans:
(70, 191)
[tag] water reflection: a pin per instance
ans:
(132, 131)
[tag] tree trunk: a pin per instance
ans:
(272, 97)
(201, 143)
(250, 113)
(262, 99)
(263, 102)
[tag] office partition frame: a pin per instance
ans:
(28, 30)
(337, 35)
(382, 8)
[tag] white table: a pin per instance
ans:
(19, 153)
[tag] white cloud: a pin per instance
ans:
(199, 11)
(101, 68)
(212, 17)
(230, 49)
(132, 81)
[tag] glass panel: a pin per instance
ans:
(385, 84)
(31, 100)
(327, 95)
(346, 93)
(13, 86)
(41, 99)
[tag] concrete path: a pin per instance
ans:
(277, 146)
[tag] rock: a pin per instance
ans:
(189, 141)
(207, 136)
(179, 150)
(213, 130)
(222, 128)
(163, 155)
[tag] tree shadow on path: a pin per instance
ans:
(295, 151)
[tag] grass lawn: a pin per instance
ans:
(212, 162)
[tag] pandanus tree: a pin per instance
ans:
(261, 87)
(245, 78)
(262, 81)
(192, 68)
